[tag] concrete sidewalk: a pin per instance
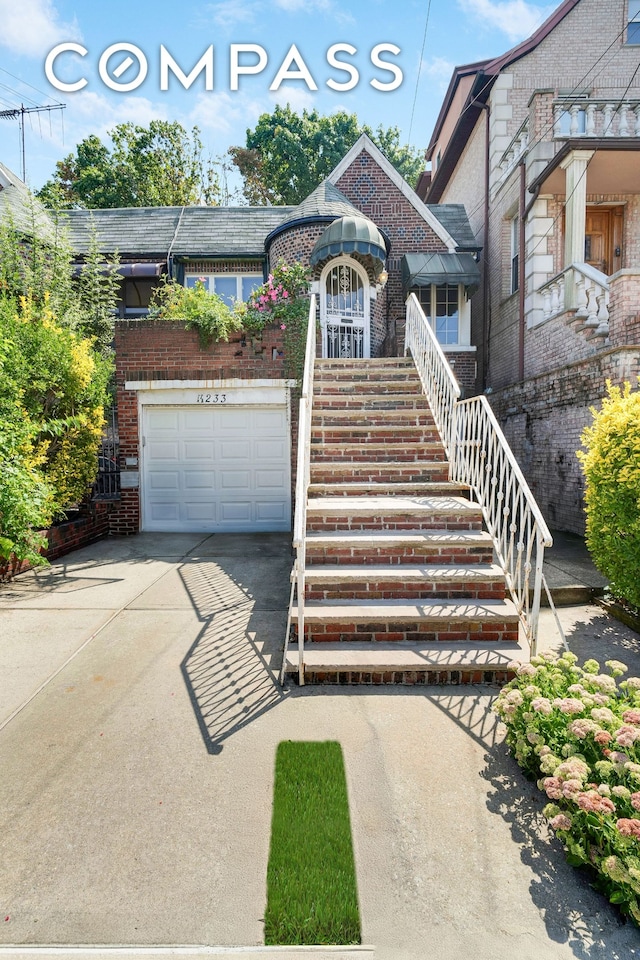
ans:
(139, 717)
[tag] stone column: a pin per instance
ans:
(575, 167)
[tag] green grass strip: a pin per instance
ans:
(311, 881)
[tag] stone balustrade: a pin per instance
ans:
(596, 118)
(582, 291)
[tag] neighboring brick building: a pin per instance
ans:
(205, 434)
(542, 147)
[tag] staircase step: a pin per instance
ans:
(428, 621)
(388, 489)
(429, 581)
(392, 547)
(374, 363)
(380, 663)
(393, 513)
(365, 387)
(367, 433)
(381, 452)
(355, 401)
(345, 471)
(402, 416)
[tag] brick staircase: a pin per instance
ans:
(400, 582)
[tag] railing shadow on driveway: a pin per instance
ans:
(231, 668)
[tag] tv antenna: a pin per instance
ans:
(19, 113)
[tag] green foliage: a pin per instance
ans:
(158, 165)
(284, 301)
(577, 731)
(53, 381)
(311, 883)
(199, 309)
(611, 465)
(287, 155)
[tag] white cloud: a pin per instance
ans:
(228, 13)
(33, 27)
(226, 113)
(298, 98)
(439, 71)
(516, 18)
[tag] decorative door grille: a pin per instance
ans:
(345, 313)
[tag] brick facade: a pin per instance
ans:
(541, 369)
(156, 350)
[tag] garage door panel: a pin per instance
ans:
(199, 480)
(270, 420)
(235, 480)
(215, 468)
(164, 480)
(270, 479)
(163, 419)
(198, 450)
(163, 512)
(233, 421)
(236, 450)
(236, 511)
(269, 450)
(199, 511)
(197, 419)
(163, 450)
(270, 511)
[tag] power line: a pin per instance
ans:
(415, 95)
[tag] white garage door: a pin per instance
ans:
(215, 468)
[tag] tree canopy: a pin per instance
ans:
(287, 155)
(158, 165)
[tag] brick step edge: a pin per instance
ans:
(409, 663)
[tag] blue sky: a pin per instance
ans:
(457, 32)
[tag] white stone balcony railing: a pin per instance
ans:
(583, 289)
(596, 118)
(516, 149)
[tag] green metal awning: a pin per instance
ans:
(350, 235)
(423, 269)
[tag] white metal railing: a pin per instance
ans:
(437, 377)
(480, 457)
(303, 476)
(582, 288)
(484, 460)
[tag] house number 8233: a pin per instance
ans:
(211, 398)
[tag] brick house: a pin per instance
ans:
(542, 147)
(206, 434)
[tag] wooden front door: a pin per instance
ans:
(603, 238)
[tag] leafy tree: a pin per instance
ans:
(158, 165)
(611, 465)
(287, 155)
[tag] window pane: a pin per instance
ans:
(249, 284)
(633, 31)
(190, 281)
(446, 328)
(227, 289)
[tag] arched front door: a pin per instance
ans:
(344, 310)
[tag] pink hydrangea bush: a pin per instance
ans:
(576, 731)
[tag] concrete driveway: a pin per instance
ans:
(139, 717)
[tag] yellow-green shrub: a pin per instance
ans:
(611, 466)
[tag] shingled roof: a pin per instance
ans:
(185, 231)
(24, 211)
(454, 219)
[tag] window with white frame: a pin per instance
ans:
(633, 24)
(230, 287)
(444, 306)
(514, 231)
